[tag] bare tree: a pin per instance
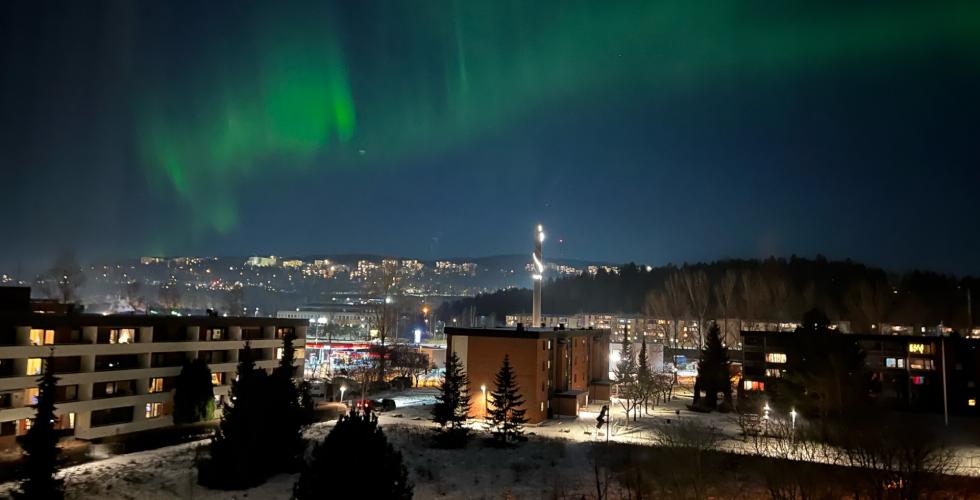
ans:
(657, 309)
(235, 300)
(755, 295)
(383, 315)
(868, 302)
(675, 299)
(698, 290)
(724, 292)
(133, 297)
(67, 276)
(169, 296)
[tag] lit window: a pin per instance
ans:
(775, 357)
(894, 362)
(921, 364)
(918, 380)
(32, 394)
(154, 410)
(33, 366)
(753, 385)
(42, 337)
(121, 335)
(156, 385)
(542, 406)
(971, 402)
(71, 420)
(217, 378)
(918, 348)
(774, 372)
(217, 334)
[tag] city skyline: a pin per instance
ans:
(637, 132)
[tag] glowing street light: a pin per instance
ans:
(792, 414)
(343, 389)
(483, 387)
(418, 335)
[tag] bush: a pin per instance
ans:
(354, 461)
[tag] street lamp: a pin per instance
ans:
(343, 389)
(483, 387)
(765, 417)
(792, 414)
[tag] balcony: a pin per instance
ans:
(116, 362)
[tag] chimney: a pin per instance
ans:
(537, 277)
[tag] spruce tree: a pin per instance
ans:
(40, 445)
(713, 374)
(240, 449)
(285, 414)
(193, 393)
(507, 416)
(626, 379)
(644, 377)
(354, 461)
(453, 403)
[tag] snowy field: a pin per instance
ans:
(535, 469)
(554, 462)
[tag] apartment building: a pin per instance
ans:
(906, 370)
(558, 370)
(116, 372)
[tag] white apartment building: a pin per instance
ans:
(116, 372)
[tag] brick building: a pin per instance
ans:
(558, 370)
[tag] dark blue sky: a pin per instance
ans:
(765, 133)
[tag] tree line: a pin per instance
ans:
(773, 289)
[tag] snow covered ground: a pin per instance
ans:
(554, 462)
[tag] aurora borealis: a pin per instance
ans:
(784, 127)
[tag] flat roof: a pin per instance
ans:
(862, 336)
(83, 319)
(524, 333)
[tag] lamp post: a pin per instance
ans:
(765, 417)
(343, 389)
(792, 415)
(483, 387)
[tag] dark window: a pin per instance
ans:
(112, 416)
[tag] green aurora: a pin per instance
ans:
(368, 85)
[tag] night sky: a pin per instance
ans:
(647, 131)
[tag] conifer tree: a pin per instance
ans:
(239, 449)
(644, 377)
(507, 416)
(354, 461)
(40, 445)
(193, 393)
(453, 402)
(713, 374)
(286, 416)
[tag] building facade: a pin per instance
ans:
(906, 370)
(558, 370)
(116, 372)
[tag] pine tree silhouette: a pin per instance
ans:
(713, 374)
(644, 377)
(452, 404)
(285, 424)
(193, 393)
(40, 445)
(507, 416)
(239, 449)
(354, 461)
